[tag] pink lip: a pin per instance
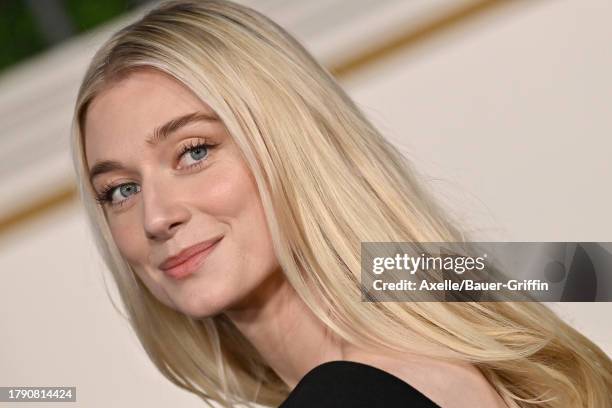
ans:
(188, 260)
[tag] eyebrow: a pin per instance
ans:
(160, 134)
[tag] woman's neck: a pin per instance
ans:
(290, 338)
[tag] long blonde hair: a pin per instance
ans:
(328, 180)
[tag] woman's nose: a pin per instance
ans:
(164, 212)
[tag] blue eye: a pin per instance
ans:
(198, 152)
(110, 193)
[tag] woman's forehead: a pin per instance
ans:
(132, 108)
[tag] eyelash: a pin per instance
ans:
(105, 196)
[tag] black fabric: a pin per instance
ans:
(342, 384)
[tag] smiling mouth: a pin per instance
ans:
(191, 264)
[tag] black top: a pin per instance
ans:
(342, 384)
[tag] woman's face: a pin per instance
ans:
(171, 178)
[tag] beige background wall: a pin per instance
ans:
(506, 114)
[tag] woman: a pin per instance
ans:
(229, 182)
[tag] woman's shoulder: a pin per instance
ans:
(342, 383)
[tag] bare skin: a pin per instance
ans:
(293, 341)
(173, 198)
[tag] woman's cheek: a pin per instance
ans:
(135, 253)
(226, 191)
(127, 239)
